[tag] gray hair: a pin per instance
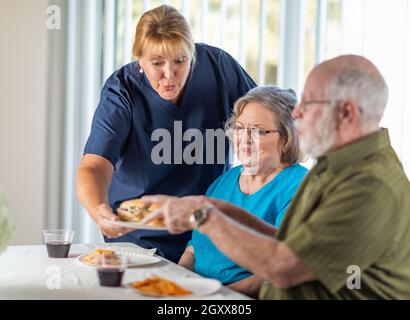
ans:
(281, 102)
(368, 89)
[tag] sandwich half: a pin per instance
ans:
(135, 210)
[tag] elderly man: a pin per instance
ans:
(346, 233)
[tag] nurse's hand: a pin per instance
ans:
(175, 211)
(102, 213)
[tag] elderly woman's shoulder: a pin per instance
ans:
(227, 179)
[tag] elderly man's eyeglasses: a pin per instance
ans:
(256, 133)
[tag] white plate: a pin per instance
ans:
(135, 259)
(198, 286)
(134, 225)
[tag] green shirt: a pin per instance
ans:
(352, 209)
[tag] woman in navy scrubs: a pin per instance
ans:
(174, 83)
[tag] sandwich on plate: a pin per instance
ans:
(135, 210)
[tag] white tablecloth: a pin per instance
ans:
(26, 272)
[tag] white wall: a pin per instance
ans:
(23, 114)
(386, 42)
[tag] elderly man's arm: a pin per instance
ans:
(186, 205)
(256, 252)
(249, 286)
(243, 217)
(187, 259)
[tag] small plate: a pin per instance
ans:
(198, 286)
(135, 259)
(134, 225)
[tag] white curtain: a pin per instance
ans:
(75, 80)
(82, 87)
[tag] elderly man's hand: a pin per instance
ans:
(175, 211)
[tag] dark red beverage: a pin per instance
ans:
(110, 277)
(58, 249)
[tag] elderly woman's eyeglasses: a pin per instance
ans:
(256, 133)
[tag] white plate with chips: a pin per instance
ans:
(199, 287)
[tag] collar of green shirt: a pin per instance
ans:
(356, 151)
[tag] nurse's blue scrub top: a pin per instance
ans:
(130, 110)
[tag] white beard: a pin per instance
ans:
(321, 138)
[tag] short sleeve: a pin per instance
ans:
(353, 225)
(111, 123)
(237, 79)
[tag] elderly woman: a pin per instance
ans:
(266, 145)
(173, 81)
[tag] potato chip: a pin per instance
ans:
(157, 285)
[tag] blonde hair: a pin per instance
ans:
(280, 102)
(163, 28)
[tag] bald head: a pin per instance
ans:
(353, 78)
(334, 68)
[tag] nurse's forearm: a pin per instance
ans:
(92, 189)
(243, 217)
